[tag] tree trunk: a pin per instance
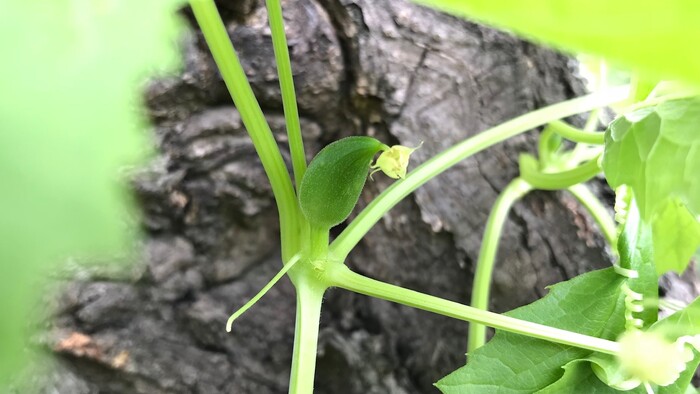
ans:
(385, 68)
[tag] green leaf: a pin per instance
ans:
(636, 253)
(579, 378)
(334, 180)
(684, 322)
(643, 35)
(691, 390)
(609, 371)
(69, 122)
(676, 234)
(684, 381)
(656, 152)
(590, 304)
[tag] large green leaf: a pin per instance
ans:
(648, 35)
(69, 120)
(590, 304)
(656, 152)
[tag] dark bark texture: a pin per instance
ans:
(385, 68)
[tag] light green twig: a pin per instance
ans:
(598, 211)
(341, 276)
(262, 291)
(289, 101)
(515, 190)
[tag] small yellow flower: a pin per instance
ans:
(394, 161)
(651, 358)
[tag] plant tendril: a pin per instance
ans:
(295, 259)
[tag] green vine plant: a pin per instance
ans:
(598, 332)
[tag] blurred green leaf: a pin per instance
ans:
(650, 36)
(656, 152)
(684, 322)
(681, 323)
(676, 234)
(69, 121)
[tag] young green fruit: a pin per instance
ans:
(334, 180)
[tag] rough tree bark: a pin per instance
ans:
(386, 68)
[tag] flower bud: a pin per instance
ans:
(394, 161)
(650, 357)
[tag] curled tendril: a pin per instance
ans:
(623, 199)
(634, 302)
(647, 356)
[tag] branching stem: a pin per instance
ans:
(515, 190)
(342, 246)
(341, 276)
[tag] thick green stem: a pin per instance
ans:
(318, 242)
(253, 118)
(577, 135)
(428, 170)
(340, 276)
(598, 211)
(289, 101)
(309, 299)
(487, 255)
